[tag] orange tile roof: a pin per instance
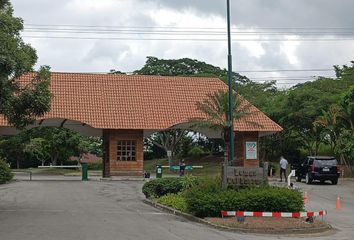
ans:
(108, 101)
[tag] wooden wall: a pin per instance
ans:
(240, 148)
(115, 167)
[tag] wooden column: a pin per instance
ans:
(106, 149)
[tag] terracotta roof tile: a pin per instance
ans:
(109, 101)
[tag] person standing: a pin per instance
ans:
(182, 167)
(283, 165)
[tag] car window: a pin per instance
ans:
(310, 161)
(325, 163)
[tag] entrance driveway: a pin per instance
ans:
(68, 210)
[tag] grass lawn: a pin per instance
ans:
(51, 171)
(59, 171)
(211, 166)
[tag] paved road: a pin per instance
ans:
(68, 210)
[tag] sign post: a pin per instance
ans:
(169, 156)
(242, 176)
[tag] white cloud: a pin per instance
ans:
(289, 48)
(129, 55)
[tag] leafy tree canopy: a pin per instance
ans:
(19, 103)
(183, 67)
(49, 143)
(302, 104)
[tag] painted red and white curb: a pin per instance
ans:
(272, 214)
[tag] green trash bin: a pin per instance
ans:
(158, 171)
(84, 168)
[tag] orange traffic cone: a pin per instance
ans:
(338, 207)
(306, 198)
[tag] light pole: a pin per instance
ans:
(230, 81)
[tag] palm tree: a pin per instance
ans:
(329, 120)
(333, 128)
(347, 108)
(215, 109)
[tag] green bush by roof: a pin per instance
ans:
(5, 172)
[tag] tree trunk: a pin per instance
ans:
(54, 160)
(227, 153)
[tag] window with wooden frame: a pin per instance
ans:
(126, 150)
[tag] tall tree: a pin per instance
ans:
(183, 67)
(20, 103)
(347, 106)
(168, 140)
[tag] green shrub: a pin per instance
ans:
(162, 186)
(271, 199)
(5, 172)
(208, 201)
(175, 201)
(275, 167)
(196, 151)
(95, 166)
(189, 181)
(203, 199)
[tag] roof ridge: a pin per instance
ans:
(132, 75)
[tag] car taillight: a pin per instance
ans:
(313, 168)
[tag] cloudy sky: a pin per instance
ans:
(99, 35)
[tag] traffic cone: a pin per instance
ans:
(306, 198)
(338, 207)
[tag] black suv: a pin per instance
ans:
(318, 168)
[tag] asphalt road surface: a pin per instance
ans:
(74, 210)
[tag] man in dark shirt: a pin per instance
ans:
(182, 167)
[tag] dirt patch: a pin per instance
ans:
(267, 224)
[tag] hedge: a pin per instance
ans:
(175, 201)
(162, 186)
(204, 197)
(5, 172)
(208, 202)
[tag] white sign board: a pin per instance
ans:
(251, 150)
(169, 153)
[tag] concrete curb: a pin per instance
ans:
(121, 179)
(305, 231)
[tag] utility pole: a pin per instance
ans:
(230, 101)
(230, 82)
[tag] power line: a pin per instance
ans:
(257, 71)
(279, 81)
(133, 31)
(287, 70)
(178, 27)
(248, 71)
(190, 39)
(95, 30)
